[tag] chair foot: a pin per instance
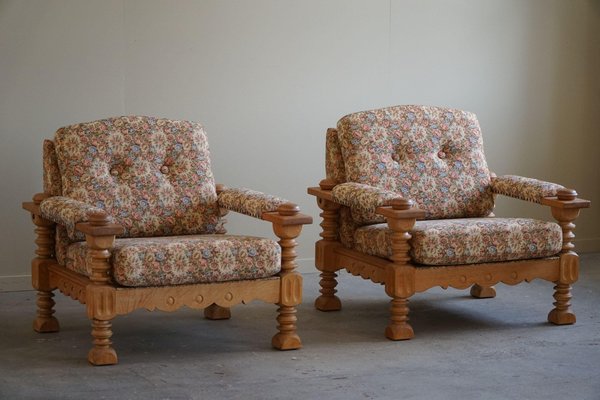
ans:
(399, 328)
(45, 322)
(46, 325)
(286, 342)
(328, 303)
(561, 317)
(404, 332)
(215, 312)
(562, 314)
(483, 292)
(287, 338)
(102, 356)
(102, 353)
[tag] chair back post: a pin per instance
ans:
(325, 256)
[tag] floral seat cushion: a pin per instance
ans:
(177, 260)
(467, 240)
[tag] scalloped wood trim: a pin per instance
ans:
(171, 298)
(464, 276)
(456, 276)
(68, 282)
(363, 265)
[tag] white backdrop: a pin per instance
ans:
(268, 77)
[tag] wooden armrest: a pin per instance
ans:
(34, 206)
(287, 214)
(31, 207)
(321, 193)
(99, 225)
(401, 209)
(566, 198)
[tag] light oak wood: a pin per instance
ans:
(327, 301)
(105, 300)
(402, 278)
(100, 297)
(400, 274)
(291, 281)
(197, 296)
(483, 292)
(45, 320)
(565, 209)
(216, 312)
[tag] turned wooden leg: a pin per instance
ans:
(45, 321)
(483, 292)
(399, 328)
(291, 281)
(569, 261)
(216, 312)
(287, 338)
(40, 276)
(325, 259)
(400, 276)
(328, 301)
(562, 313)
(101, 298)
(102, 353)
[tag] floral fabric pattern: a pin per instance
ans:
(67, 212)
(467, 241)
(334, 162)
(51, 176)
(431, 155)
(363, 200)
(347, 227)
(178, 260)
(152, 175)
(61, 244)
(524, 188)
(249, 202)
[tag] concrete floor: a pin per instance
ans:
(464, 348)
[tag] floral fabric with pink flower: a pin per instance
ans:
(178, 260)
(528, 189)
(467, 240)
(151, 175)
(433, 156)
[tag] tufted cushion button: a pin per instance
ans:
(395, 157)
(114, 172)
(441, 154)
(164, 169)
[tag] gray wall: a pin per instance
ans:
(267, 78)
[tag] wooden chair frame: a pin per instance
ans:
(105, 300)
(402, 279)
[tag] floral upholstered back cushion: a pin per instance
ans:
(334, 163)
(431, 155)
(52, 183)
(151, 175)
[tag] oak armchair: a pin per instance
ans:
(131, 218)
(408, 203)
